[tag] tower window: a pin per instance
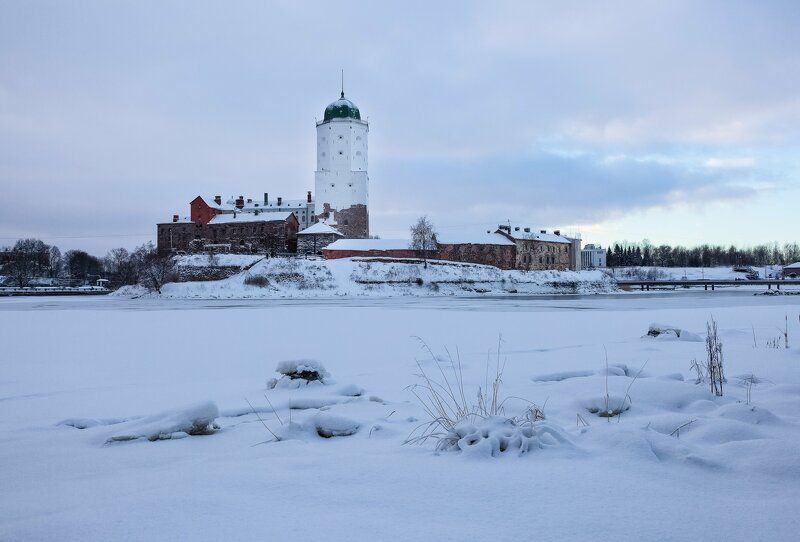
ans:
(341, 137)
(332, 185)
(323, 154)
(341, 152)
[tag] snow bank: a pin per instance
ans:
(497, 435)
(371, 277)
(196, 419)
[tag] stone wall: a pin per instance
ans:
(352, 222)
(502, 256)
(394, 253)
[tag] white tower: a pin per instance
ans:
(341, 178)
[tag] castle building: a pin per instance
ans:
(242, 224)
(341, 180)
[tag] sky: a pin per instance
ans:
(676, 122)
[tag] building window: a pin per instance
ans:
(341, 137)
(341, 153)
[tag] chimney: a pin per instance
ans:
(174, 218)
(527, 230)
(239, 202)
(557, 232)
(516, 228)
(218, 200)
(542, 231)
(249, 200)
(308, 197)
(280, 199)
(266, 198)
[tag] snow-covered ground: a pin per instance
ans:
(153, 419)
(378, 277)
(218, 260)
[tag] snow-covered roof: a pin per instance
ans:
(474, 239)
(275, 216)
(229, 204)
(795, 265)
(182, 220)
(320, 228)
(539, 236)
(369, 244)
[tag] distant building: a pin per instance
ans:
(266, 233)
(485, 249)
(541, 250)
(313, 239)
(203, 209)
(341, 180)
(342, 195)
(593, 256)
(386, 248)
(792, 270)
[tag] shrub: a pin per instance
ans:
(257, 280)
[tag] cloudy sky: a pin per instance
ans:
(673, 121)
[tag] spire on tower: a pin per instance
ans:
(342, 82)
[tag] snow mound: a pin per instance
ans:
(607, 406)
(306, 403)
(560, 376)
(672, 333)
(330, 425)
(86, 423)
(351, 390)
(131, 291)
(323, 424)
(297, 373)
(496, 436)
(749, 414)
(196, 419)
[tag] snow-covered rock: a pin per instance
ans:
(196, 419)
(672, 333)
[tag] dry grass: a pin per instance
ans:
(447, 404)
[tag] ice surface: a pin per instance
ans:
(641, 475)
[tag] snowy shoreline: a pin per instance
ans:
(371, 277)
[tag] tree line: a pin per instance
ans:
(646, 254)
(29, 261)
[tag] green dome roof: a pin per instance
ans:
(342, 109)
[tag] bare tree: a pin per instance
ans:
(30, 258)
(121, 266)
(423, 238)
(155, 269)
(55, 262)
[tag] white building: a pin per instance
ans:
(593, 256)
(341, 180)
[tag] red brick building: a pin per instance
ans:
(263, 233)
